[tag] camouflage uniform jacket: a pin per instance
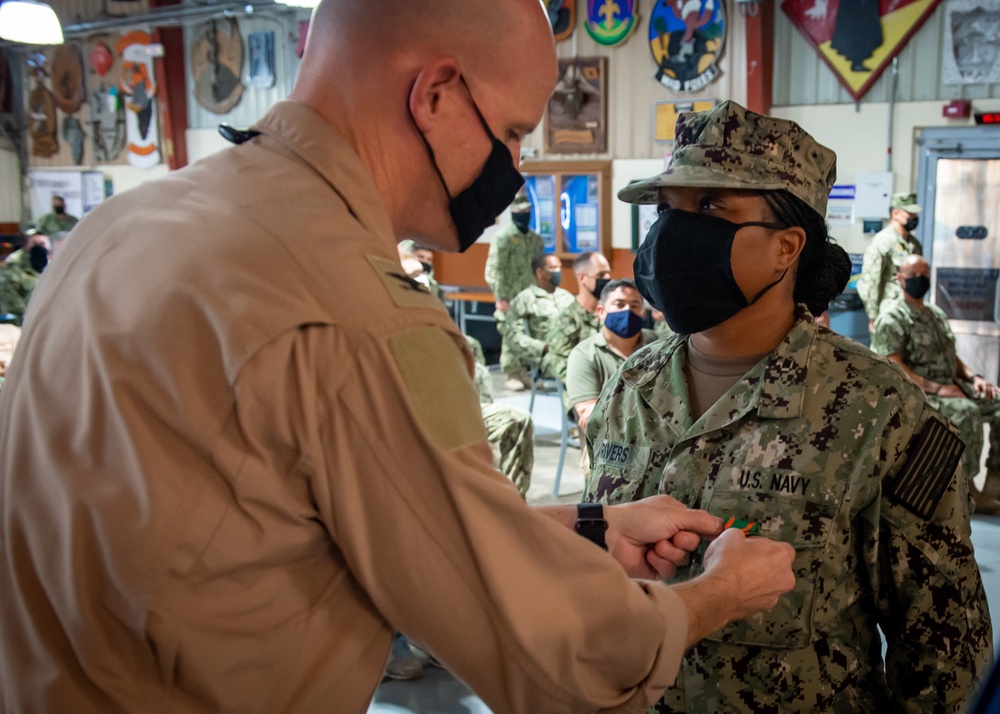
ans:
(538, 308)
(812, 443)
(877, 284)
(922, 337)
(52, 223)
(508, 264)
(17, 280)
(569, 328)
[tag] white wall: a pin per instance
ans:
(860, 136)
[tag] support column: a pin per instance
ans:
(760, 55)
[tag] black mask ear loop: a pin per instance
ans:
(774, 227)
(427, 145)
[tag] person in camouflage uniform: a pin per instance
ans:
(510, 432)
(877, 284)
(579, 321)
(424, 256)
(533, 308)
(58, 221)
(917, 336)
(19, 273)
(755, 413)
(508, 270)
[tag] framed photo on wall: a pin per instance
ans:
(570, 205)
(577, 114)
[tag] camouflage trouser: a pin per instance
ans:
(511, 434)
(968, 416)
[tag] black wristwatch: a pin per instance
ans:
(590, 523)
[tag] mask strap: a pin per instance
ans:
(768, 287)
(427, 145)
(482, 119)
(763, 224)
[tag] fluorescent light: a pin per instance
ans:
(299, 3)
(30, 22)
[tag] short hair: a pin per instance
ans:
(56, 195)
(617, 284)
(582, 262)
(538, 262)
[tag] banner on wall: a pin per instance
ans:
(971, 42)
(610, 23)
(138, 84)
(686, 38)
(857, 39)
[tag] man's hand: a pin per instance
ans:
(502, 305)
(984, 389)
(743, 576)
(653, 537)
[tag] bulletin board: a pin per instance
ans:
(570, 205)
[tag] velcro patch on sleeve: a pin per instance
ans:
(933, 458)
(436, 378)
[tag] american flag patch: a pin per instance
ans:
(933, 458)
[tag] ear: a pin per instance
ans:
(791, 241)
(433, 83)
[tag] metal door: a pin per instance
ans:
(959, 189)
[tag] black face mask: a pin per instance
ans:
(684, 270)
(599, 285)
(911, 224)
(38, 257)
(521, 220)
(917, 286)
(428, 268)
(477, 207)
(59, 210)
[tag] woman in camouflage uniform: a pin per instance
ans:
(754, 412)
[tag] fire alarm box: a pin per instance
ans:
(957, 109)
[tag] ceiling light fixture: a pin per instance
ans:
(30, 22)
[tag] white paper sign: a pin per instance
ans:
(873, 193)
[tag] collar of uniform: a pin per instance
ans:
(320, 146)
(781, 384)
(775, 386)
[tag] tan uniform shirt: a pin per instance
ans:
(238, 447)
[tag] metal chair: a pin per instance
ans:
(566, 421)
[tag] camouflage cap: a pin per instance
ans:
(521, 202)
(906, 202)
(732, 147)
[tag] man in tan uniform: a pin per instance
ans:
(241, 478)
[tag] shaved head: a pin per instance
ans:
(914, 265)
(406, 81)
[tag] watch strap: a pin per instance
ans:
(590, 523)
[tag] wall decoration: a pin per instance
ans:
(577, 111)
(67, 78)
(101, 58)
(300, 45)
(858, 38)
(610, 23)
(686, 38)
(562, 17)
(41, 109)
(104, 100)
(665, 116)
(217, 66)
(138, 85)
(971, 42)
(72, 132)
(260, 47)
